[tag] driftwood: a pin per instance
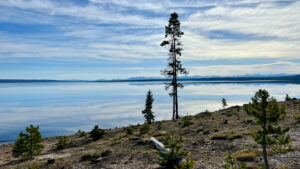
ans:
(158, 145)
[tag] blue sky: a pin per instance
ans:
(106, 39)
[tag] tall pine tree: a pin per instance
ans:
(148, 113)
(174, 65)
(266, 112)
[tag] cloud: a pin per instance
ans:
(88, 12)
(198, 47)
(131, 31)
(267, 19)
(228, 70)
(155, 5)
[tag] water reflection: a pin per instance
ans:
(63, 108)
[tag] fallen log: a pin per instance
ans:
(160, 146)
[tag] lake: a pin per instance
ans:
(63, 108)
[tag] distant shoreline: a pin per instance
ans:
(278, 79)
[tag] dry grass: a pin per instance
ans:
(228, 135)
(283, 166)
(247, 154)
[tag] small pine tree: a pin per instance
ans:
(267, 112)
(28, 144)
(224, 103)
(97, 133)
(148, 113)
(287, 97)
(130, 130)
(169, 159)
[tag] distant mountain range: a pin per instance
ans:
(246, 78)
(278, 78)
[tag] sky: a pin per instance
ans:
(109, 39)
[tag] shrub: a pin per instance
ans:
(145, 128)
(130, 130)
(34, 165)
(187, 121)
(81, 133)
(207, 113)
(62, 142)
(97, 133)
(159, 125)
(90, 157)
(28, 144)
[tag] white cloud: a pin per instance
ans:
(155, 5)
(265, 20)
(89, 12)
(197, 47)
(227, 70)
(124, 43)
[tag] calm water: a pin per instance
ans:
(63, 108)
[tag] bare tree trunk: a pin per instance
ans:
(173, 105)
(265, 156)
(175, 77)
(264, 144)
(176, 99)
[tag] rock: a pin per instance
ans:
(133, 138)
(228, 114)
(51, 161)
(206, 132)
(199, 129)
(141, 142)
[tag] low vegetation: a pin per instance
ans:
(130, 130)
(145, 128)
(230, 162)
(187, 121)
(225, 135)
